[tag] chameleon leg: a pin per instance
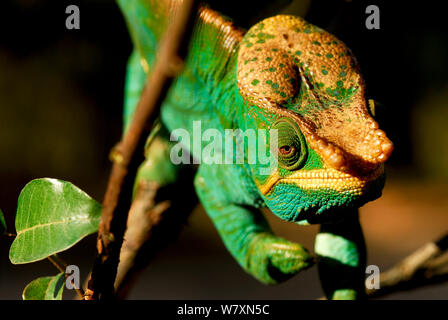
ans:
(163, 198)
(135, 81)
(342, 259)
(245, 232)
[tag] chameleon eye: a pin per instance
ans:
(285, 150)
(292, 150)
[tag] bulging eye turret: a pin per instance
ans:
(292, 151)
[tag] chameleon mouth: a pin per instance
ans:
(319, 179)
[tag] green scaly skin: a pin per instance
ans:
(284, 74)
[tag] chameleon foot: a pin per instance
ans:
(272, 259)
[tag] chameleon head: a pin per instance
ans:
(304, 82)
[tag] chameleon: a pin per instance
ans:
(282, 73)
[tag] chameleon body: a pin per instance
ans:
(286, 74)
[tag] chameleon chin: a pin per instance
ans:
(286, 74)
(320, 196)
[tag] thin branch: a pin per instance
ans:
(143, 216)
(425, 266)
(154, 222)
(126, 160)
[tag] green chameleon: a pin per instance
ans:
(285, 74)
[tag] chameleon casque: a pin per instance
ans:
(286, 74)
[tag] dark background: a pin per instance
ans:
(61, 94)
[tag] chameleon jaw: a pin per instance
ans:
(319, 179)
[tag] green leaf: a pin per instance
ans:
(45, 288)
(52, 216)
(2, 223)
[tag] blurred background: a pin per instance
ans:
(61, 94)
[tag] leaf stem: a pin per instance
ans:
(12, 235)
